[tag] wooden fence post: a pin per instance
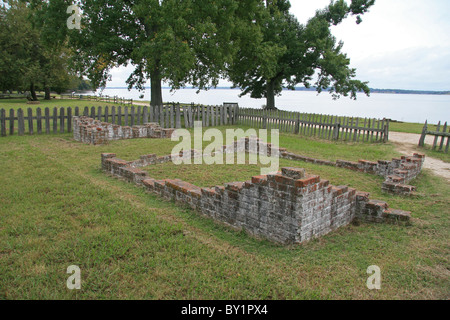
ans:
(69, 119)
(38, 120)
(21, 122)
(47, 120)
(55, 120)
(161, 116)
(387, 128)
(297, 124)
(133, 116)
(444, 130)
(61, 120)
(436, 137)
(336, 130)
(225, 114)
(138, 116)
(172, 115)
(30, 121)
(126, 116)
(177, 116)
(113, 115)
(11, 121)
(186, 117)
(214, 115)
(264, 120)
(3, 122)
(106, 117)
(145, 115)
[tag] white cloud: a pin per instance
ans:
(399, 44)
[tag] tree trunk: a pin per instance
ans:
(270, 95)
(47, 93)
(156, 89)
(33, 92)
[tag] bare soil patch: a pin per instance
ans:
(407, 143)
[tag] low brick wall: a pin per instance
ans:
(95, 132)
(397, 172)
(289, 206)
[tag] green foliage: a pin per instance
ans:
(57, 209)
(290, 53)
(175, 41)
(30, 59)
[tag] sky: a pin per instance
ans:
(401, 44)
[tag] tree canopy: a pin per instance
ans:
(291, 53)
(27, 59)
(179, 42)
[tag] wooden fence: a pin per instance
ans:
(322, 126)
(54, 120)
(36, 120)
(108, 99)
(442, 134)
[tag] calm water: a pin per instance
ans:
(401, 107)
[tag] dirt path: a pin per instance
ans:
(407, 144)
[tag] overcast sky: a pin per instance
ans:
(401, 44)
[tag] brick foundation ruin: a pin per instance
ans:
(397, 172)
(95, 132)
(287, 207)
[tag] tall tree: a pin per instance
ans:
(299, 54)
(19, 58)
(179, 42)
(28, 60)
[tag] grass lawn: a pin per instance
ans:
(429, 152)
(408, 127)
(16, 104)
(58, 209)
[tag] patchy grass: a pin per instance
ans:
(204, 175)
(429, 152)
(16, 104)
(408, 127)
(58, 209)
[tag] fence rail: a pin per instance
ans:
(322, 126)
(108, 99)
(56, 120)
(437, 134)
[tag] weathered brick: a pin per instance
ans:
(302, 183)
(294, 173)
(259, 179)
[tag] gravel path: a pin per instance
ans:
(407, 143)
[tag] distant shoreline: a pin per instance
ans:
(385, 91)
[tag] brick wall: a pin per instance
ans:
(95, 132)
(289, 206)
(398, 172)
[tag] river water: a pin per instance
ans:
(401, 107)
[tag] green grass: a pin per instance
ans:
(429, 152)
(16, 104)
(408, 127)
(204, 175)
(58, 209)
